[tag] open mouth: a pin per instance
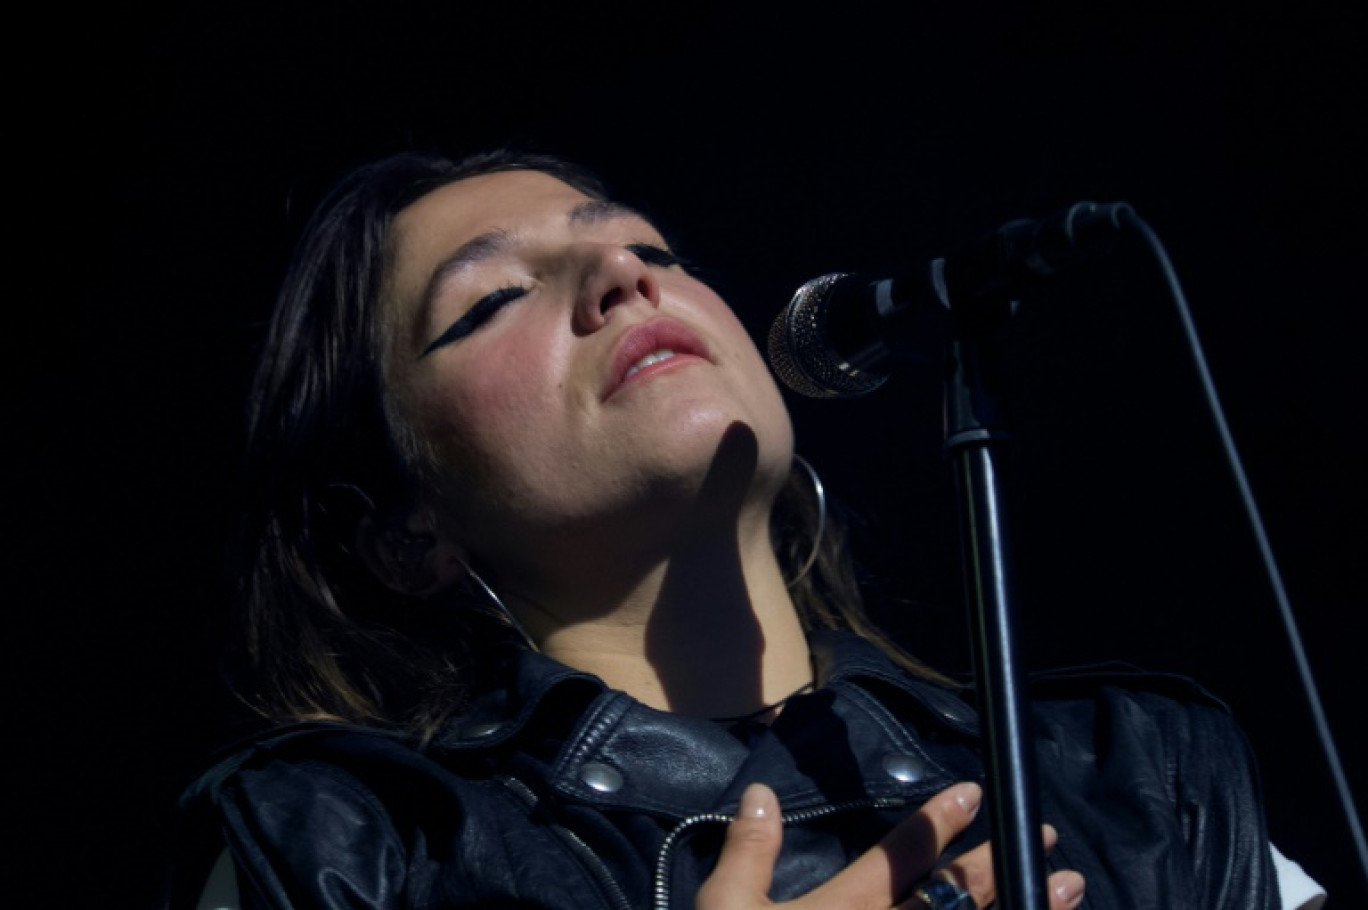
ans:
(654, 357)
(651, 348)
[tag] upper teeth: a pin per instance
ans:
(653, 357)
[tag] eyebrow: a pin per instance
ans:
(490, 244)
(474, 251)
(597, 211)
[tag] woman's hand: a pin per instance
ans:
(884, 877)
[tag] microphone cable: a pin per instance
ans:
(1251, 509)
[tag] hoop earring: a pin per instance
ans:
(820, 492)
(500, 608)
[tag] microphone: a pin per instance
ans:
(841, 333)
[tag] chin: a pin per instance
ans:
(735, 458)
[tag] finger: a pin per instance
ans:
(1066, 890)
(973, 869)
(887, 872)
(745, 866)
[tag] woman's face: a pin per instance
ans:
(572, 385)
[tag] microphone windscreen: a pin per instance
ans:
(799, 351)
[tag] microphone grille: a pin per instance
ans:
(800, 354)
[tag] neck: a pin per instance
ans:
(710, 631)
(683, 606)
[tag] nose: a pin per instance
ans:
(611, 276)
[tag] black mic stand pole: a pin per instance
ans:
(974, 438)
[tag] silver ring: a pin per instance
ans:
(940, 894)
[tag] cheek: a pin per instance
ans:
(742, 349)
(727, 326)
(761, 389)
(497, 400)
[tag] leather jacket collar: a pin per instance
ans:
(613, 731)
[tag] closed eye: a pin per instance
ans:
(483, 310)
(654, 255)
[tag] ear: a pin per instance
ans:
(408, 556)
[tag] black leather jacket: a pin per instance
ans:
(561, 793)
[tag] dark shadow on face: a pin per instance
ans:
(703, 630)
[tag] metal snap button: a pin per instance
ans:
(903, 767)
(601, 777)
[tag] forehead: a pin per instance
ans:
(447, 218)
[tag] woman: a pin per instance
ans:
(532, 580)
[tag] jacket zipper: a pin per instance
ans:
(598, 870)
(665, 859)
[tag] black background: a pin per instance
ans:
(179, 148)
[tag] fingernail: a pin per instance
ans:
(969, 796)
(1070, 889)
(757, 802)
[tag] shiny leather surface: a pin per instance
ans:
(559, 793)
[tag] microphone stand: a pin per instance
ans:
(974, 438)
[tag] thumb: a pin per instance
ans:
(745, 867)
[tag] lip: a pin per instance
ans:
(640, 340)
